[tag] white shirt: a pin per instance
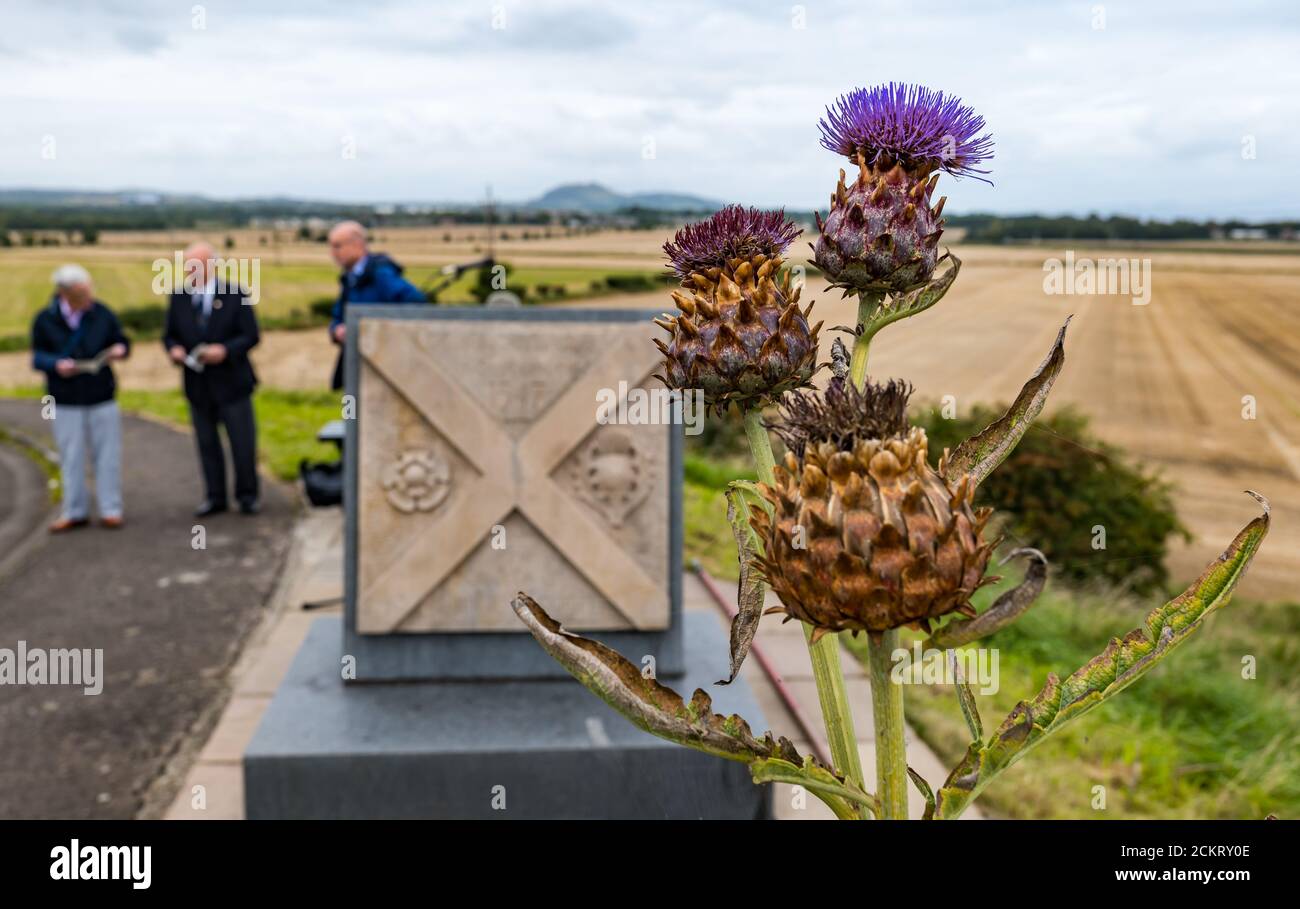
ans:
(209, 293)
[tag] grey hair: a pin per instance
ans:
(70, 275)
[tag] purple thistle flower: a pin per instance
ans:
(735, 232)
(915, 126)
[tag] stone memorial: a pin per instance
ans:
(479, 462)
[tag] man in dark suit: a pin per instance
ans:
(210, 330)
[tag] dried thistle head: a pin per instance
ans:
(864, 535)
(843, 415)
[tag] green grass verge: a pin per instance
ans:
(708, 536)
(1194, 739)
(38, 457)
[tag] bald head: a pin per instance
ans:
(347, 241)
(200, 264)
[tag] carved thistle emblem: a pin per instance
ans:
(417, 480)
(610, 475)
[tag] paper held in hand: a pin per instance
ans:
(193, 358)
(94, 364)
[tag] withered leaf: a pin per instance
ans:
(1005, 609)
(980, 455)
(750, 589)
(649, 705)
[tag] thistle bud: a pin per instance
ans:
(739, 334)
(882, 232)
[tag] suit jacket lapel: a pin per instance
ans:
(184, 303)
(223, 308)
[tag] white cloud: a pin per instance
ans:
(1145, 116)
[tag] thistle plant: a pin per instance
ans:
(855, 532)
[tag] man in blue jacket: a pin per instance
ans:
(74, 339)
(366, 278)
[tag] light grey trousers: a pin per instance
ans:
(95, 432)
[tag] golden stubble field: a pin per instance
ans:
(1166, 381)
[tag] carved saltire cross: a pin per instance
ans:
(539, 472)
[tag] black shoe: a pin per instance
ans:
(249, 506)
(209, 507)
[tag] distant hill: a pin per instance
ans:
(597, 199)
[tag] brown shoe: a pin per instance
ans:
(111, 523)
(62, 525)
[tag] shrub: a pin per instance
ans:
(629, 282)
(143, 320)
(1059, 484)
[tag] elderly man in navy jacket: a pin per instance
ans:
(74, 339)
(366, 278)
(210, 330)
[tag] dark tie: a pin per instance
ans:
(199, 314)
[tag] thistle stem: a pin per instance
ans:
(867, 306)
(887, 711)
(825, 654)
(760, 446)
(886, 697)
(834, 700)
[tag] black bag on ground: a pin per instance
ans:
(323, 482)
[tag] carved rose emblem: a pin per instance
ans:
(417, 480)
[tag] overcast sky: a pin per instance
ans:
(1145, 108)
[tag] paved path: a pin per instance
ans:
(169, 618)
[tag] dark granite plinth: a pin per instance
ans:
(545, 748)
